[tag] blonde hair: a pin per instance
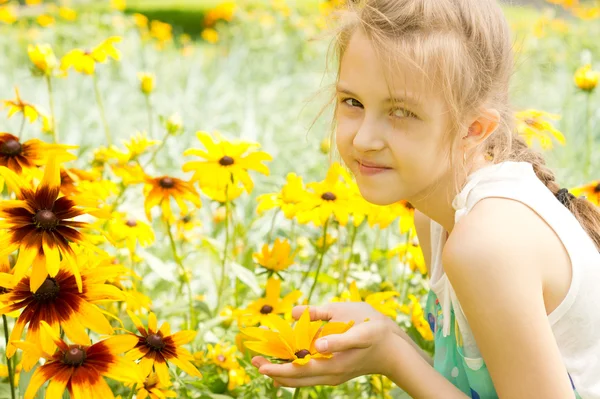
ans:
(462, 44)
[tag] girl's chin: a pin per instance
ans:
(380, 196)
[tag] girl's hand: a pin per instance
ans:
(364, 349)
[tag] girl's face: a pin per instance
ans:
(405, 138)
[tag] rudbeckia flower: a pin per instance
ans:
(43, 58)
(277, 258)
(38, 224)
(590, 191)
(383, 302)
(154, 388)
(291, 196)
(85, 61)
(258, 311)
(80, 369)
(292, 344)
(531, 124)
(128, 232)
(59, 302)
(417, 317)
(138, 145)
(31, 154)
(226, 162)
(156, 347)
(159, 190)
(30, 111)
(410, 252)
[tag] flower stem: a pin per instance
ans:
(321, 256)
(272, 225)
(149, 108)
(52, 113)
(403, 277)
(11, 374)
(225, 248)
(347, 265)
(160, 147)
(22, 127)
(193, 320)
(132, 392)
(590, 134)
(297, 393)
(102, 113)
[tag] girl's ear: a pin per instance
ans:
(482, 127)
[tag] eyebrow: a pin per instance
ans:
(409, 99)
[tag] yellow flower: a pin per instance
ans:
(226, 162)
(154, 388)
(296, 345)
(586, 13)
(223, 194)
(224, 11)
(45, 20)
(223, 356)
(30, 111)
(565, 3)
(161, 31)
(383, 302)
(146, 82)
(532, 126)
(237, 377)
(586, 79)
(257, 311)
(590, 191)
(42, 56)
(118, 5)
(67, 13)
(410, 252)
(85, 61)
(288, 199)
(276, 259)
(140, 20)
(31, 154)
(159, 190)
(210, 35)
(138, 145)
(325, 145)
(418, 318)
(7, 14)
(128, 232)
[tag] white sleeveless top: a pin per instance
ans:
(576, 321)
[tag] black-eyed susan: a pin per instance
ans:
(157, 347)
(277, 258)
(586, 79)
(30, 111)
(159, 190)
(223, 194)
(417, 317)
(38, 224)
(226, 162)
(154, 388)
(43, 58)
(533, 125)
(410, 253)
(59, 302)
(272, 303)
(289, 199)
(590, 191)
(295, 344)
(227, 358)
(137, 145)
(127, 231)
(80, 369)
(31, 154)
(84, 61)
(71, 177)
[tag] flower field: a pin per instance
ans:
(170, 191)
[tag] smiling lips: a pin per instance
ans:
(366, 168)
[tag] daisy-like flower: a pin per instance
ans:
(223, 194)
(226, 162)
(292, 344)
(275, 259)
(8, 14)
(59, 302)
(85, 61)
(159, 190)
(258, 311)
(154, 388)
(586, 79)
(156, 347)
(331, 197)
(138, 145)
(71, 177)
(531, 124)
(31, 154)
(30, 111)
(224, 356)
(43, 58)
(128, 232)
(383, 302)
(410, 252)
(417, 317)
(146, 82)
(291, 196)
(38, 224)
(80, 369)
(590, 191)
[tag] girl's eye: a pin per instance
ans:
(351, 102)
(404, 113)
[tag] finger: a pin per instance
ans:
(358, 337)
(313, 368)
(316, 312)
(306, 382)
(259, 361)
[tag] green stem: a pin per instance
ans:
(225, 248)
(149, 108)
(272, 226)
(102, 113)
(11, 374)
(382, 392)
(296, 393)
(402, 278)
(193, 320)
(160, 147)
(590, 135)
(22, 127)
(52, 113)
(321, 256)
(132, 391)
(347, 265)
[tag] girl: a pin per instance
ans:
(422, 113)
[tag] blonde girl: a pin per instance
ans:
(422, 114)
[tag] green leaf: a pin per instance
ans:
(246, 276)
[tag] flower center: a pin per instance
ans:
(221, 358)
(409, 206)
(302, 354)
(131, 223)
(46, 219)
(186, 219)
(75, 356)
(328, 196)
(155, 341)
(266, 309)
(597, 188)
(226, 161)
(166, 182)
(48, 291)
(11, 147)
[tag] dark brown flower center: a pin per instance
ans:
(302, 354)
(155, 341)
(48, 291)
(221, 358)
(409, 206)
(131, 223)
(597, 188)
(266, 309)
(75, 356)
(166, 182)
(186, 219)
(328, 196)
(226, 161)
(46, 219)
(11, 147)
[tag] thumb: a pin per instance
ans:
(358, 337)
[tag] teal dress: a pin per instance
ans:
(473, 379)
